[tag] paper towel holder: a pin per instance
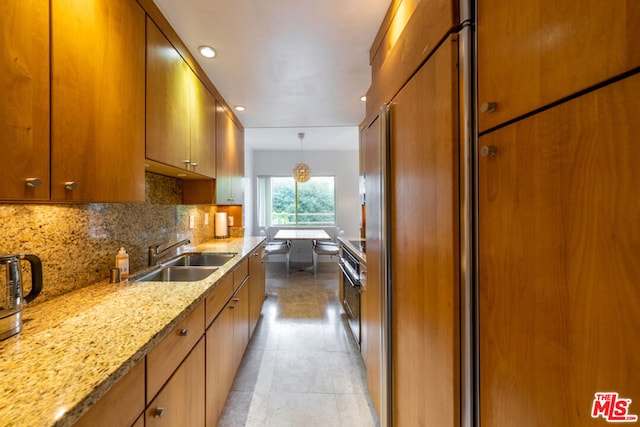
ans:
(221, 230)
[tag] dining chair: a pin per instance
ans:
(275, 247)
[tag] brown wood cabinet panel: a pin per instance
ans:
(533, 53)
(257, 287)
(229, 158)
(163, 359)
(202, 129)
(217, 299)
(240, 324)
(240, 273)
(220, 362)
(97, 100)
(122, 405)
(181, 402)
(24, 104)
(559, 239)
(371, 290)
(168, 89)
(424, 245)
(420, 31)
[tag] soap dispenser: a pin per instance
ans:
(122, 263)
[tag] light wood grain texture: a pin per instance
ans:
(217, 299)
(24, 104)
(122, 405)
(139, 422)
(198, 191)
(240, 323)
(168, 91)
(240, 273)
(165, 357)
(536, 52)
(429, 23)
(97, 100)
(372, 289)
(183, 397)
(203, 128)
(257, 287)
(220, 363)
(230, 159)
(559, 240)
(424, 245)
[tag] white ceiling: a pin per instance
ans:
(296, 65)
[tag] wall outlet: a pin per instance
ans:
(206, 219)
(192, 221)
(230, 220)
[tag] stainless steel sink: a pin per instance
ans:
(213, 259)
(176, 274)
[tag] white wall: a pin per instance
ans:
(342, 164)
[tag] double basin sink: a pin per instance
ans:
(189, 267)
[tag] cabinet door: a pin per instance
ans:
(533, 53)
(240, 323)
(424, 245)
(371, 291)
(203, 129)
(257, 287)
(559, 244)
(220, 363)
(24, 104)
(181, 402)
(97, 99)
(168, 88)
(230, 159)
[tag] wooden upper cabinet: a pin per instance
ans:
(203, 129)
(558, 284)
(533, 53)
(24, 103)
(97, 101)
(168, 93)
(230, 159)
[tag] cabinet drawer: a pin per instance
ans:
(121, 405)
(217, 299)
(167, 355)
(240, 273)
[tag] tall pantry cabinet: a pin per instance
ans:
(558, 213)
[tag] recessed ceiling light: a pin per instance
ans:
(207, 51)
(239, 108)
(363, 98)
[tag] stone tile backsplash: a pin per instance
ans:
(78, 243)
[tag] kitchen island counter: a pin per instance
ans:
(74, 348)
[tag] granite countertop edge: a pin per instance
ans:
(74, 348)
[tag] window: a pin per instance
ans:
(282, 201)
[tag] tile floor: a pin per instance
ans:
(302, 367)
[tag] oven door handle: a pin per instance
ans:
(348, 275)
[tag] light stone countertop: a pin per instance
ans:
(72, 349)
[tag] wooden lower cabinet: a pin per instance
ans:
(257, 287)
(181, 402)
(559, 243)
(424, 245)
(220, 359)
(240, 323)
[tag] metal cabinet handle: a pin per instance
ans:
(33, 182)
(157, 413)
(235, 299)
(186, 163)
(184, 332)
(489, 107)
(70, 185)
(488, 150)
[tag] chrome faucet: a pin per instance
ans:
(155, 255)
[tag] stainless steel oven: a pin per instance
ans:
(350, 268)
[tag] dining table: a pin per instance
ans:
(302, 234)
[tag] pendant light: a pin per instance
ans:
(301, 171)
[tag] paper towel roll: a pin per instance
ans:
(221, 230)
